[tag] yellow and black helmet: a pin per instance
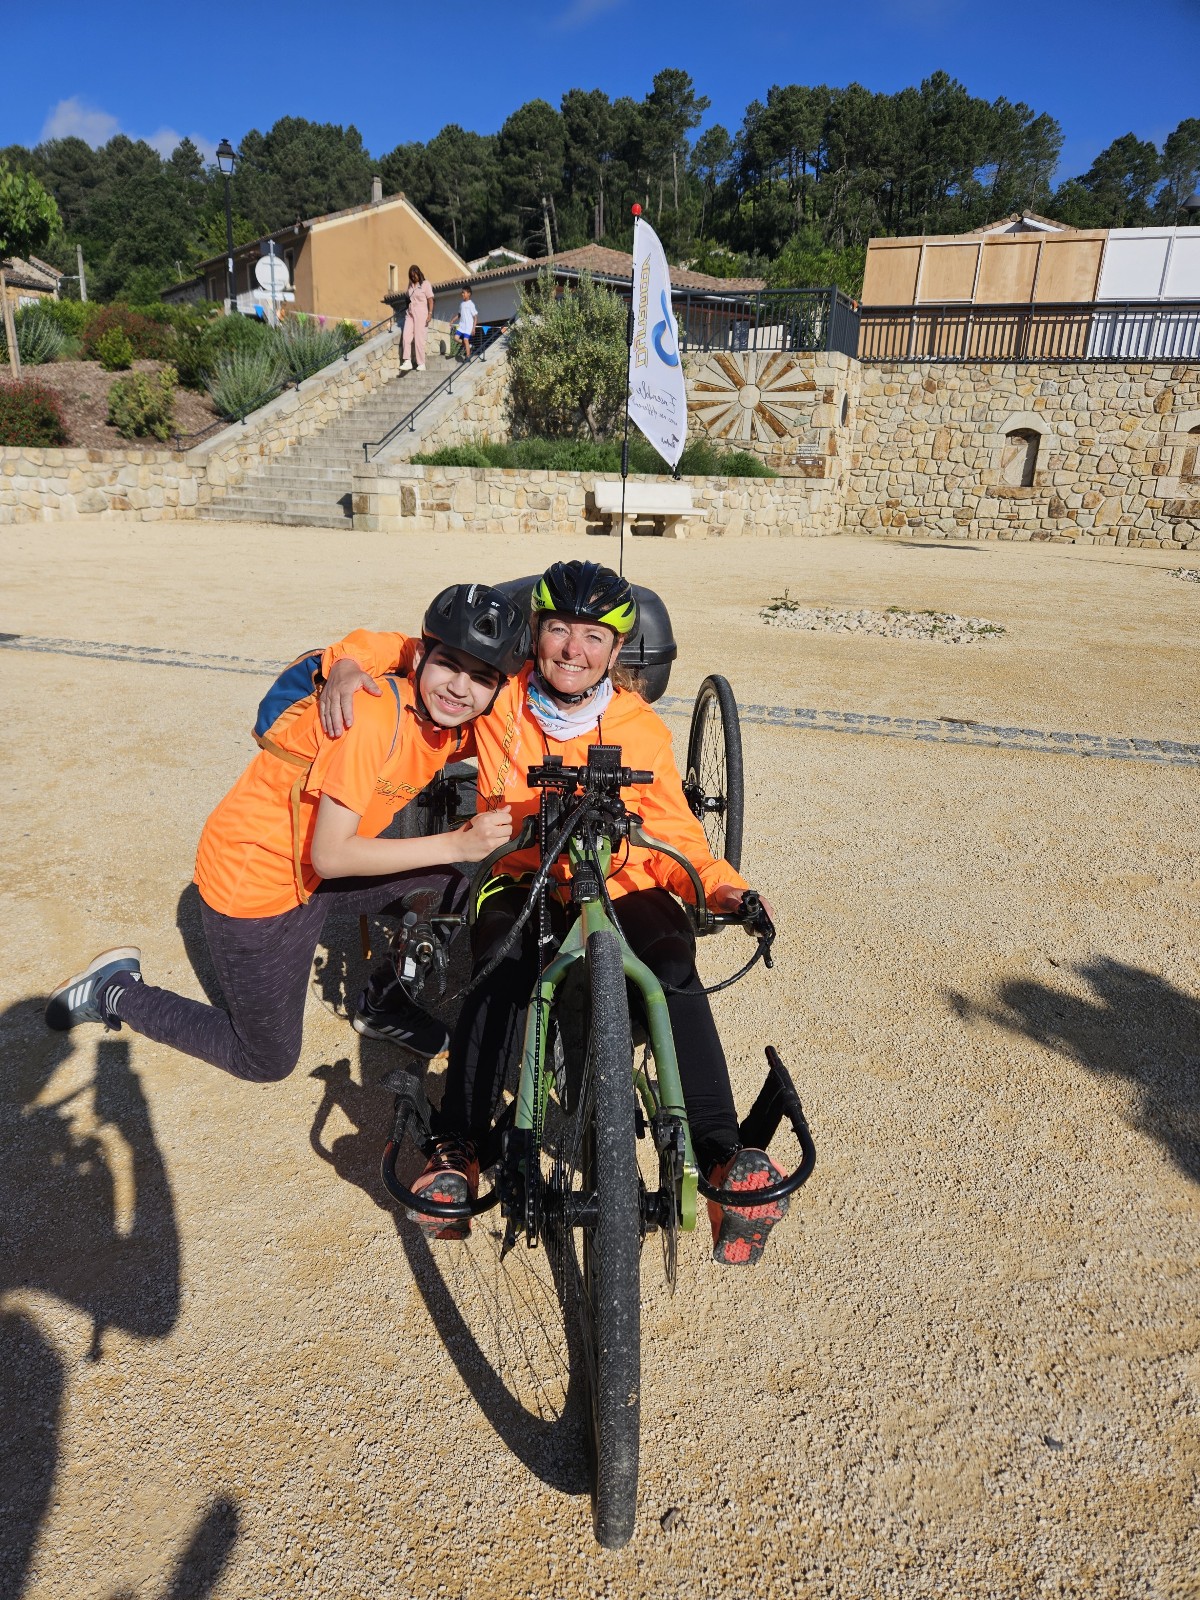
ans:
(586, 589)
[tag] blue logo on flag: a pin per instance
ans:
(669, 358)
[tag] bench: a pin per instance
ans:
(667, 505)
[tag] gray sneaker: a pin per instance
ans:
(81, 998)
(400, 1022)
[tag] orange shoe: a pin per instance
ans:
(740, 1233)
(451, 1176)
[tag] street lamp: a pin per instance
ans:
(226, 160)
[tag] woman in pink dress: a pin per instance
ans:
(416, 319)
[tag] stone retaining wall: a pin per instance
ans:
(41, 485)
(1115, 455)
(402, 498)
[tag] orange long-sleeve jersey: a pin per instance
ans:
(509, 741)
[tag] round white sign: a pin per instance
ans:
(272, 273)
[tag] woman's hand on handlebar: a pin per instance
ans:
(727, 899)
(484, 833)
(336, 704)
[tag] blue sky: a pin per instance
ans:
(157, 72)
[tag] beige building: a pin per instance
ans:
(27, 282)
(340, 265)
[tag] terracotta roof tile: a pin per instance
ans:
(613, 265)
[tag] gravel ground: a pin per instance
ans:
(895, 623)
(970, 1363)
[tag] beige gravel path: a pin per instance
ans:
(970, 1367)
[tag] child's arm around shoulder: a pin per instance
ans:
(354, 663)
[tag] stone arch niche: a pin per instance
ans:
(1019, 450)
(1018, 459)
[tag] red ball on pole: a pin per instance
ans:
(635, 209)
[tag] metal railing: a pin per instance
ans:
(767, 320)
(1071, 331)
(490, 336)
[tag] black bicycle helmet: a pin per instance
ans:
(586, 589)
(481, 622)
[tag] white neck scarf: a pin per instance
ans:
(566, 722)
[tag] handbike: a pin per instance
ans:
(566, 1171)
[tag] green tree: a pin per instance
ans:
(1180, 170)
(1116, 189)
(529, 154)
(28, 215)
(567, 361)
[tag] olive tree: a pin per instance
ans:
(567, 361)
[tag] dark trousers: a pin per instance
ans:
(263, 964)
(491, 1025)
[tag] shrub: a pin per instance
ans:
(352, 334)
(567, 361)
(142, 405)
(38, 338)
(150, 341)
(113, 350)
(72, 316)
(307, 345)
(700, 458)
(30, 414)
(244, 379)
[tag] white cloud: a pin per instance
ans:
(580, 12)
(74, 118)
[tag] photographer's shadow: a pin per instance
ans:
(89, 1220)
(1135, 1026)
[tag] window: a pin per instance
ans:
(1189, 473)
(393, 277)
(1018, 460)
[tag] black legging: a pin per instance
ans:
(491, 1024)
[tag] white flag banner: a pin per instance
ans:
(657, 395)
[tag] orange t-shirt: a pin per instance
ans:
(509, 741)
(244, 862)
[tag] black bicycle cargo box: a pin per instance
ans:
(649, 650)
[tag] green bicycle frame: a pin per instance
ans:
(537, 1079)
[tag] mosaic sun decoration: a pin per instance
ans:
(762, 396)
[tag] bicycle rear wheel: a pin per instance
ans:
(599, 1223)
(714, 786)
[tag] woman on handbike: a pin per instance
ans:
(575, 693)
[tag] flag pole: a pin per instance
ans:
(637, 211)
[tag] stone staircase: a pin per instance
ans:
(309, 485)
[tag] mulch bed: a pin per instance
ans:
(83, 388)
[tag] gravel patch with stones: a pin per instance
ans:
(1185, 574)
(895, 623)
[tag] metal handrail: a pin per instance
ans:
(1026, 331)
(493, 336)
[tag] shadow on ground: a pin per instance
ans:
(501, 1323)
(89, 1220)
(1134, 1025)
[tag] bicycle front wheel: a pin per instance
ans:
(601, 1209)
(714, 786)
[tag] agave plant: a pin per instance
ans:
(307, 344)
(245, 379)
(38, 339)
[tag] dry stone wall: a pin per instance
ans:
(941, 450)
(403, 498)
(44, 485)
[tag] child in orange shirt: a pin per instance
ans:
(269, 869)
